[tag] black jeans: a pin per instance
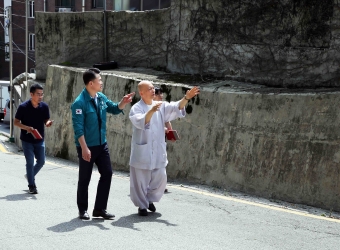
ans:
(99, 155)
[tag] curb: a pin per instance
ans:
(5, 134)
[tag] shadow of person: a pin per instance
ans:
(19, 197)
(130, 220)
(76, 223)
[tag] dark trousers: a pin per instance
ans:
(99, 155)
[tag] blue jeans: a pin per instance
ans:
(32, 150)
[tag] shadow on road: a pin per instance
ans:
(18, 197)
(76, 223)
(130, 220)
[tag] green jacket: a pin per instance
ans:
(87, 121)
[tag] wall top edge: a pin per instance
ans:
(216, 86)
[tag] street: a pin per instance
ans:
(188, 217)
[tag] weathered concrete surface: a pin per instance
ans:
(239, 136)
(69, 39)
(139, 38)
(285, 43)
(276, 43)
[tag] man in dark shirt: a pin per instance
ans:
(33, 114)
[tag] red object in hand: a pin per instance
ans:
(172, 135)
(36, 134)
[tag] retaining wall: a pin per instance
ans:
(263, 141)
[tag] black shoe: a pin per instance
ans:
(142, 212)
(84, 215)
(152, 207)
(32, 189)
(166, 190)
(102, 213)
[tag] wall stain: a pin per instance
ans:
(127, 90)
(77, 23)
(63, 153)
(167, 90)
(69, 85)
(188, 109)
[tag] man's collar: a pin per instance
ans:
(87, 95)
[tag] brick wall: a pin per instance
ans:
(18, 30)
(4, 66)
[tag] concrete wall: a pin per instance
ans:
(276, 43)
(139, 38)
(256, 140)
(68, 38)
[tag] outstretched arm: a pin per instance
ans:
(190, 94)
(126, 99)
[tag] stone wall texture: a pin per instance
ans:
(70, 39)
(286, 43)
(255, 140)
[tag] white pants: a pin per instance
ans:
(146, 186)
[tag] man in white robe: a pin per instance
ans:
(148, 157)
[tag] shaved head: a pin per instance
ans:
(146, 91)
(143, 85)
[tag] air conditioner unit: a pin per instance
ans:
(65, 10)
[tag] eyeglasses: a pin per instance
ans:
(40, 95)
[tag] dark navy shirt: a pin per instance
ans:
(32, 117)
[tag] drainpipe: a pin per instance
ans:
(83, 6)
(105, 45)
(44, 5)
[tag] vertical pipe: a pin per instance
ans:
(44, 5)
(83, 6)
(11, 72)
(141, 5)
(26, 41)
(104, 24)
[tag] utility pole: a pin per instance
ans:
(26, 41)
(105, 35)
(11, 138)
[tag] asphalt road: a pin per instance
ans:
(188, 217)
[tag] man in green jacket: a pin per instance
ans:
(89, 124)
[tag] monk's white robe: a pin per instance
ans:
(148, 157)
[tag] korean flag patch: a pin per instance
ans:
(79, 111)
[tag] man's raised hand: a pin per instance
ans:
(126, 99)
(192, 92)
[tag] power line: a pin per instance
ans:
(22, 52)
(19, 50)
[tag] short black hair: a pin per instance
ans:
(158, 91)
(34, 87)
(90, 75)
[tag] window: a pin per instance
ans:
(98, 3)
(137, 5)
(31, 42)
(64, 5)
(165, 4)
(151, 5)
(31, 9)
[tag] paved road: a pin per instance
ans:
(189, 217)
